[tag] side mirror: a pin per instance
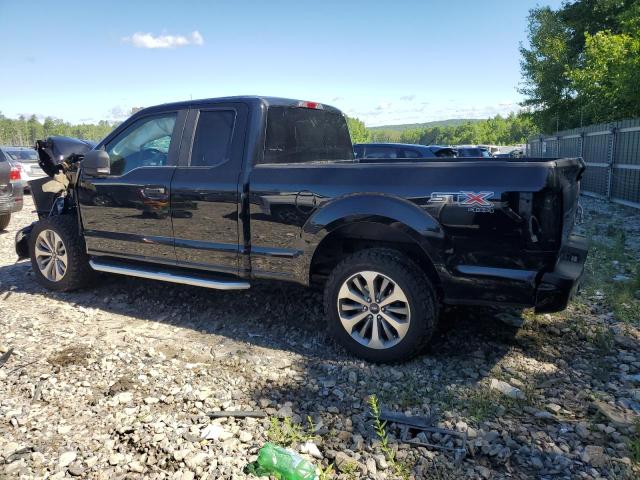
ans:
(96, 163)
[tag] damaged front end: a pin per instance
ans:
(59, 158)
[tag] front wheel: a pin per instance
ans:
(380, 305)
(58, 255)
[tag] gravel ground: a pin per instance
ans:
(116, 381)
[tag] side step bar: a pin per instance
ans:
(169, 276)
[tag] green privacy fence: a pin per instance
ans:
(612, 154)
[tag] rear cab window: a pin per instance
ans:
(301, 135)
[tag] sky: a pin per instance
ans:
(385, 62)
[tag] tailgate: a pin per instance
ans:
(554, 207)
(568, 174)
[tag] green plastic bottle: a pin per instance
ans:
(282, 464)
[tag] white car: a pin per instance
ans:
(26, 160)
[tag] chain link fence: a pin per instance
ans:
(612, 154)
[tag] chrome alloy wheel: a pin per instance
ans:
(51, 255)
(374, 310)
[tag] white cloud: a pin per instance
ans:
(118, 113)
(148, 40)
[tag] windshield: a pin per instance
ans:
(22, 155)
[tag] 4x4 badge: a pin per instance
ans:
(475, 201)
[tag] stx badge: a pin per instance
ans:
(474, 201)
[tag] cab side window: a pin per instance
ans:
(145, 143)
(407, 153)
(212, 141)
(380, 152)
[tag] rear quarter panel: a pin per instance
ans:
(293, 206)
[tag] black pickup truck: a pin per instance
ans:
(217, 193)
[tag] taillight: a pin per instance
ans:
(314, 105)
(14, 174)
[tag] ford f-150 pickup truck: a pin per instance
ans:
(218, 193)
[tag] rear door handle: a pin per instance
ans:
(155, 190)
(154, 193)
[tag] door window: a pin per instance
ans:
(146, 143)
(212, 141)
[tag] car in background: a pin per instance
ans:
(11, 190)
(516, 153)
(473, 151)
(24, 159)
(389, 151)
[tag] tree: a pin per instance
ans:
(357, 130)
(608, 81)
(581, 63)
(546, 85)
(514, 129)
(25, 132)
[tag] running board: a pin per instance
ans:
(168, 276)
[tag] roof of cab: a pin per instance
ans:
(249, 99)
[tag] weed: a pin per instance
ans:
(326, 473)
(602, 265)
(286, 433)
(634, 444)
(482, 404)
(410, 395)
(400, 469)
(349, 469)
(602, 339)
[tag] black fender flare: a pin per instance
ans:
(394, 212)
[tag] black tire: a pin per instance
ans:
(78, 272)
(416, 287)
(4, 221)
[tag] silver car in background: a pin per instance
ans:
(11, 190)
(26, 160)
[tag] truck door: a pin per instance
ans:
(126, 213)
(205, 192)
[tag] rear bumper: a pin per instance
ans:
(546, 291)
(556, 288)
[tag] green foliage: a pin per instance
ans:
(513, 129)
(582, 63)
(25, 131)
(453, 122)
(546, 85)
(286, 433)
(400, 469)
(357, 130)
(607, 258)
(608, 78)
(326, 473)
(634, 444)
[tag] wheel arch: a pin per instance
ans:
(367, 221)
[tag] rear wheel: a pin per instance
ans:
(58, 255)
(4, 221)
(380, 305)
